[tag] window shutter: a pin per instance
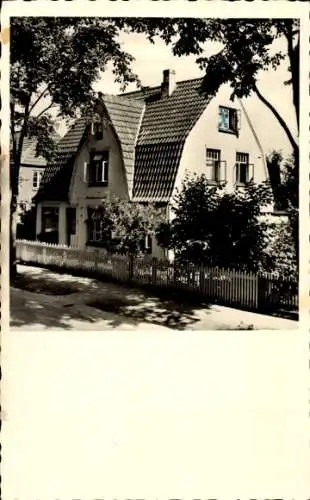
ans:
(224, 171)
(238, 119)
(233, 125)
(86, 172)
(147, 242)
(237, 171)
(104, 171)
(92, 128)
(251, 172)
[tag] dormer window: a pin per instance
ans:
(96, 127)
(229, 120)
(97, 170)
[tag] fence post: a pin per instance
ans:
(202, 280)
(130, 268)
(154, 271)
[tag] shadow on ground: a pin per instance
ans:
(44, 299)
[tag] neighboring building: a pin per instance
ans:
(139, 146)
(31, 171)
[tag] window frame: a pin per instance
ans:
(242, 162)
(234, 129)
(36, 174)
(103, 163)
(94, 227)
(217, 165)
(54, 216)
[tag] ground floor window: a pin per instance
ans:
(242, 168)
(213, 164)
(50, 219)
(96, 228)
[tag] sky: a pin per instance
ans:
(152, 59)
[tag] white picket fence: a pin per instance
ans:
(236, 288)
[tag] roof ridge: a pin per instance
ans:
(150, 87)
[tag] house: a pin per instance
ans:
(30, 173)
(139, 146)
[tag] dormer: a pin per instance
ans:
(96, 127)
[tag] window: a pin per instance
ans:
(95, 225)
(49, 219)
(96, 172)
(242, 168)
(36, 178)
(96, 128)
(148, 244)
(229, 120)
(213, 165)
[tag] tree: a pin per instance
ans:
(247, 48)
(54, 63)
(216, 227)
(126, 225)
(284, 182)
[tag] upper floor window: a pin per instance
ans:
(36, 178)
(96, 127)
(229, 120)
(96, 172)
(244, 171)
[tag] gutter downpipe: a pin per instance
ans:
(255, 136)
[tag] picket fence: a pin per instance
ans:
(254, 291)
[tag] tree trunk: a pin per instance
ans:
(13, 224)
(278, 117)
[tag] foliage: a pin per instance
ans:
(246, 48)
(280, 250)
(126, 225)
(217, 227)
(284, 179)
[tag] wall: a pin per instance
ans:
(82, 196)
(205, 134)
(26, 190)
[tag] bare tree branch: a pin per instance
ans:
(44, 110)
(278, 117)
(38, 99)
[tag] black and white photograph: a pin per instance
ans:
(155, 250)
(154, 173)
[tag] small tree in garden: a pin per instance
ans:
(217, 227)
(127, 225)
(280, 250)
(284, 182)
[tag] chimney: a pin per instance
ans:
(169, 83)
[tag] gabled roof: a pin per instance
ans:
(151, 133)
(29, 153)
(125, 116)
(165, 126)
(56, 179)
